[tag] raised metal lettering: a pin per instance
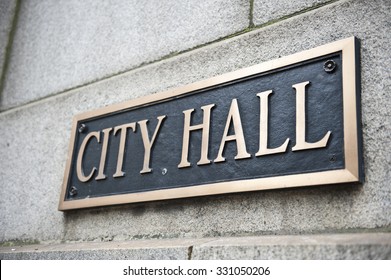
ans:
(204, 126)
(79, 163)
(301, 144)
(106, 133)
(238, 137)
(263, 127)
(148, 144)
(123, 128)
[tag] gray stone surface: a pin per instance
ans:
(331, 246)
(327, 247)
(61, 45)
(34, 147)
(134, 250)
(269, 10)
(7, 12)
(117, 254)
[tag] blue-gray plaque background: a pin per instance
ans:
(324, 112)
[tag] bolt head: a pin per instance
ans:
(82, 128)
(329, 66)
(73, 191)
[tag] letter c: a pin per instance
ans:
(80, 173)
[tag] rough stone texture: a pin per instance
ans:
(268, 10)
(34, 148)
(7, 12)
(134, 250)
(61, 45)
(336, 246)
(327, 247)
(118, 254)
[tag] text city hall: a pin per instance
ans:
(233, 120)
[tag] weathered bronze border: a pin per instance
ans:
(352, 141)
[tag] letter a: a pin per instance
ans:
(238, 137)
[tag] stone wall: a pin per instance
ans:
(61, 58)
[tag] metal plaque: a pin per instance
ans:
(290, 122)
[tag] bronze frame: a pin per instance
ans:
(351, 173)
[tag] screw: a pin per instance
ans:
(73, 191)
(82, 128)
(333, 158)
(329, 66)
(164, 171)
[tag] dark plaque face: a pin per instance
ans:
(285, 123)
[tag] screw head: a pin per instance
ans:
(164, 171)
(73, 191)
(329, 66)
(82, 128)
(333, 158)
